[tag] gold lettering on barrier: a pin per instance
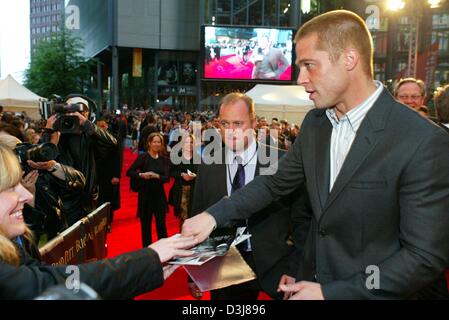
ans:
(69, 255)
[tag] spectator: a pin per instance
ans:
(152, 170)
(441, 101)
(411, 92)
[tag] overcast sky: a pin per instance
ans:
(14, 37)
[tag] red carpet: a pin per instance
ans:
(231, 67)
(125, 237)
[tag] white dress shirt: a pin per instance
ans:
(344, 132)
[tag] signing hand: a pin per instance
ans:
(174, 246)
(286, 280)
(199, 226)
(303, 290)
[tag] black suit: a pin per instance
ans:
(388, 207)
(444, 127)
(270, 228)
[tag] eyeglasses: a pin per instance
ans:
(409, 97)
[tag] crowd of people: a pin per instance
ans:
(364, 183)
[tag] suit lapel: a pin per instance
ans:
(366, 139)
(322, 156)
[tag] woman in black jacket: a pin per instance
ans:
(25, 277)
(153, 170)
(183, 170)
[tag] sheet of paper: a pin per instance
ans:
(221, 272)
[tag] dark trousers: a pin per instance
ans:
(145, 225)
(244, 291)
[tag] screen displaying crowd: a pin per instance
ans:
(243, 53)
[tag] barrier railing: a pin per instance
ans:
(85, 241)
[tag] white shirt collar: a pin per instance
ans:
(356, 115)
(247, 155)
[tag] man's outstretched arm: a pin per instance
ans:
(250, 199)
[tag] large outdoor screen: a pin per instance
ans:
(247, 53)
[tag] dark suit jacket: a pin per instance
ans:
(270, 228)
(123, 277)
(388, 207)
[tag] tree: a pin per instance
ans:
(57, 66)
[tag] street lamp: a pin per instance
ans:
(414, 15)
(395, 5)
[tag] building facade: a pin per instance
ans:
(142, 46)
(46, 18)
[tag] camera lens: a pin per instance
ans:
(43, 153)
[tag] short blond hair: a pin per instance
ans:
(339, 30)
(233, 97)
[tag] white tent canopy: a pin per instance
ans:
(283, 102)
(16, 98)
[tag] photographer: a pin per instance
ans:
(78, 139)
(54, 182)
(49, 181)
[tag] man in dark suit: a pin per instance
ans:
(376, 173)
(241, 160)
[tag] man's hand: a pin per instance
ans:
(303, 290)
(199, 226)
(286, 280)
(174, 246)
(115, 181)
(80, 117)
(270, 75)
(51, 121)
(42, 165)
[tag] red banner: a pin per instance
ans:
(85, 241)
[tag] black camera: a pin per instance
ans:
(66, 124)
(38, 153)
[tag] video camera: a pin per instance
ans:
(38, 153)
(65, 123)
